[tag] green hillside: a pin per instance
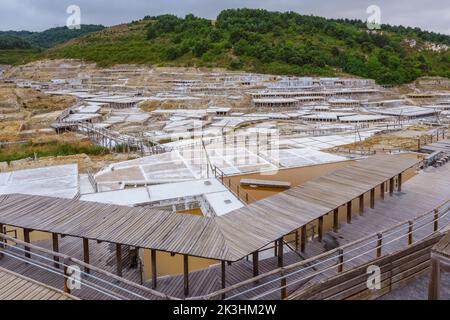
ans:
(267, 42)
(22, 46)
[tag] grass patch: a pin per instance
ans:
(48, 149)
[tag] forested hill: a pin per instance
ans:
(44, 39)
(269, 42)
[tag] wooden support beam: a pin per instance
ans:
(400, 178)
(186, 274)
(304, 239)
(435, 280)
(280, 252)
(361, 205)
(2, 240)
(86, 253)
(55, 245)
(26, 238)
(340, 260)
(410, 232)
(372, 198)
(223, 282)
(391, 186)
(320, 229)
(154, 271)
(349, 212)
(119, 259)
(275, 248)
(436, 219)
(379, 244)
(382, 190)
(296, 240)
(336, 220)
(283, 286)
(255, 259)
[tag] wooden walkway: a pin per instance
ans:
(15, 286)
(420, 194)
(230, 237)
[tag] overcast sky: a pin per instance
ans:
(37, 15)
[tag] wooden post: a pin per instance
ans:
(223, 265)
(391, 186)
(119, 259)
(255, 264)
(382, 190)
(361, 205)
(400, 176)
(372, 198)
(186, 274)
(66, 280)
(280, 252)
(349, 212)
(55, 244)
(304, 239)
(154, 271)
(275, 248)
(379, 244)
(410, 232)
(296, 240)
(341, 260)
(435, 280)
(436, 220)
(283, 285)
(86, 253)
(320, 229)
(26, 238)
(336, 220)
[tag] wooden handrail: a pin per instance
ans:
(312, 259)
(65, 257)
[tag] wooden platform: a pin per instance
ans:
(266, 183)
(419, 194)
(17, 287)
(230, 237)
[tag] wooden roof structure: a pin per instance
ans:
(230, 237)
(17, 287)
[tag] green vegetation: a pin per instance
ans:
(47, 149)
(18, 56)
(13, 42)
(267, 42)
(50, 37)
(18, 47)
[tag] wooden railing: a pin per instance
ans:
(240, 193)
(334, 261)
(104, 283)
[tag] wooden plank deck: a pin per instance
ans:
(228, 238)
(15, 286)
(419, 194)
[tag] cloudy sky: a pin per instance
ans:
(37, 15)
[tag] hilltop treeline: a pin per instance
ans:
(291, 43)
(44, 39)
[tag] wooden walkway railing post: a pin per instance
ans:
(379, 244)
(410, 232)
(436, 220)
(55, 245)
(336, 220)
(26, 238)
(340, 260)
(283, 285)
